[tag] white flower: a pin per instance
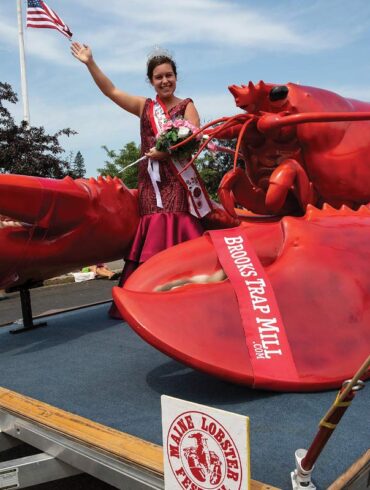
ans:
(183, 132)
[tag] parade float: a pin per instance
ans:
(280, 302)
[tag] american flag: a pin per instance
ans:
(39, 15)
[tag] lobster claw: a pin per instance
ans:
(179, 303)
(53, 219)
(36, 200)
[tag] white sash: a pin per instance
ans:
(155, 177)
(198, 200)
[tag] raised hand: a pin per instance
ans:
(82, 52)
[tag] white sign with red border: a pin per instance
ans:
(204, 448)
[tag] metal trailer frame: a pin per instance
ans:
(70, 445)
(62, 457)
(62, 454)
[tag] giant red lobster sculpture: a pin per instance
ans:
(307, 167)
(59, 225)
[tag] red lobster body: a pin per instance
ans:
(298, 145)
(335, 155)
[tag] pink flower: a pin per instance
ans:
(177, 123)
(167, 126)
(189, 125)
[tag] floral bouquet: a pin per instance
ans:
(174, 132)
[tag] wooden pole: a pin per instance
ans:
(348, 387)
(333, 416)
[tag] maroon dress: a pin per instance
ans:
(159, 228)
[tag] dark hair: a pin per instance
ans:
(159, 60)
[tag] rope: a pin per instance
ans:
(328, 425)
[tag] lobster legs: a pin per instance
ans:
(287, 176)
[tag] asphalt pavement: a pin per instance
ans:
(58, 294)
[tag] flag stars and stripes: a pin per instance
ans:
(40, 16)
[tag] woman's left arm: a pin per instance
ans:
(191, 114)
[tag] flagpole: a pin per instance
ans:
(26, 110)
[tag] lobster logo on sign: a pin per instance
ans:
(202, 454)
(205, 465)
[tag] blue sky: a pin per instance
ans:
(216, 43)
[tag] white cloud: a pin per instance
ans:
(48, 48)
(97, 124)
(352, 92)
(213, 106)
(8, 33)
(121, 33)
(52, 48)
(214, 26)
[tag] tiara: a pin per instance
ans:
(158, 52)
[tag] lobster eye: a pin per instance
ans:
(278, 93)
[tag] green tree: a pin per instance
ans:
(29, 150)
(78, 166)
(117, 161)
